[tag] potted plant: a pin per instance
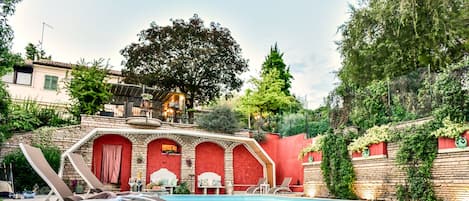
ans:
(79, 188)
(452, 135)
(372, 143)
(146, 99)
(147, 96)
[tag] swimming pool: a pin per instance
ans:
(234, 198)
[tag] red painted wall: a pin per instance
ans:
(209, 157)
(247, 169)
(284, 152)
(156, 159)
(126, 157)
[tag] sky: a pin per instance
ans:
(305, 31)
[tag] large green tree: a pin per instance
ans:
(34, 53)
(203, 62)
(88, 88)
(7, 58)
(267, 98)
(385, 39)
(275, 61)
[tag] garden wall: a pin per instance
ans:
(284, 152)
(377, 178)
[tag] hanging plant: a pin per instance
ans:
(373, 135)
(147, 96)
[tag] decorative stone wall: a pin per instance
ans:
(378, 178)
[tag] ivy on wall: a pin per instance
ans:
(336, 167)
(415, 156)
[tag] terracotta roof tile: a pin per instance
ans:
(68, 66)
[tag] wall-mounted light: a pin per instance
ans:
(189, 162)
(311, 190)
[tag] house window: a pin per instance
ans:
(20, 75)
(23, 78)
(50, 82)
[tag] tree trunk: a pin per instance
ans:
(190, 111)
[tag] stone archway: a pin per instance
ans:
(126, 157)
(157, 158)
(209, 157)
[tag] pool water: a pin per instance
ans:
(234, 198)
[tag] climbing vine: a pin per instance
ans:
(415, 156)
(336, 167)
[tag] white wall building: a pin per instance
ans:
(43, 82)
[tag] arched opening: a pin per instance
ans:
(112, 157)
(163, 153)
(209, 157)
(247, 168)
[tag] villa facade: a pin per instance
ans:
(43, 81)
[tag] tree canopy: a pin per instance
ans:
(88, 88)
(203, 62)
(8, 59)
(221, 119)
(275, 61)
(386, 39)
(34, 53)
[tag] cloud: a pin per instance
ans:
(314, 78)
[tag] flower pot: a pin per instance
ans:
(378, 149)
(313, 156)
(450, 143)
(79, 189)
(373, 150)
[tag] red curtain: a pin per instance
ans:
(111, 165)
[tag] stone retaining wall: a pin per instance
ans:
(378, 178)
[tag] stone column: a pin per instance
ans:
(139, 151)
(188, 165)
(229, 164)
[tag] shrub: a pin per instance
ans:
(450, 129)
(28, 115)
(5, 102)
(88, 88)
(221, 119)
(450, 93)
(373, 135)
(25, 176)
(182, 189)
(259, 137)
(23, 117)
